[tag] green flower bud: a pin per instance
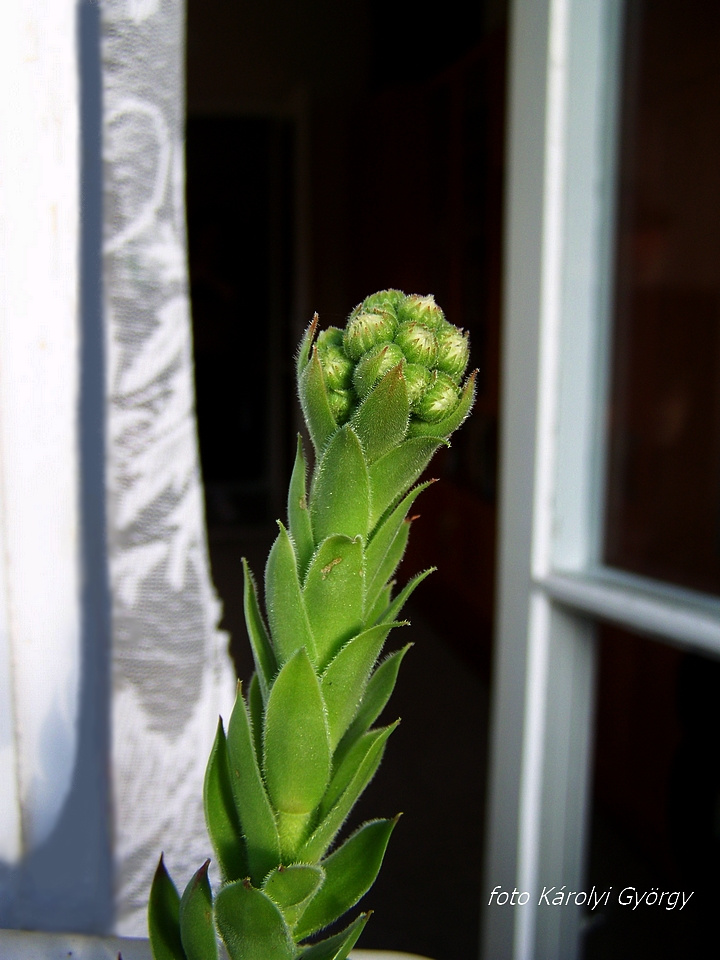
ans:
(418, 343)
(417, 381)
(333, 336)
(365, 331)
(342, 405)
(356, 310)
(378, 401)
(383, 300)
(439, 400)
(373, 365)
(337, 368)
(417, 309)
(453, 351)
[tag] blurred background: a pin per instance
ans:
(358, 146)
(362, 145)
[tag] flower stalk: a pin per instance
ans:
(379, 398)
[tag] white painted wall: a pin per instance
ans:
(39, 478)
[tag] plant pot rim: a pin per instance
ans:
(31, 945)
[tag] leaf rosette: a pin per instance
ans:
(379, 398)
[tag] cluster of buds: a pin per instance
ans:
(387, 330)
(301, 746)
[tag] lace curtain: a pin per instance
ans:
(112, 668)
(170, 671)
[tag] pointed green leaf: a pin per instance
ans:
(357, 770)
(196, 918)
(164, 917)
(292, 887)
(382, 602)
(285, 605)
(389, 564)
(297, 748)
(343, 683)
(251, 801)
(303, 354)
(399, 602)
(377, 693)
(383, 537)
(333, 594)
(256, 713)
(346, 767)
(315, 404)
(299, 513)
(339, 946)
(443, 428)
(392, 474)
(251, 925)
(349, 873)
(265, 663)
(220, 813)
(381, 421)
(340, 495)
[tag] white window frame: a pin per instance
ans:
(552, 588)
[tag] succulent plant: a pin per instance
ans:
(379, 398)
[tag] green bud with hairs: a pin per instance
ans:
(301, 745)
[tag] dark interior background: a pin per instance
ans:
(337, 149)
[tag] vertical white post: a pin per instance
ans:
(39, 510)
(556, 291)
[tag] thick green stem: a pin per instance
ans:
(292, 828)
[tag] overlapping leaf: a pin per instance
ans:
(255, 813)
(300, 747)
(263, 653)
(299, 513)
(285, 605)
(393, 473)
(251, 925)
(315, 405)
(292, 888)
(220, 813)
(343, 682)
(339, 946)
(340, 493)
(344, 790)
(381, 422)
(297, 746)
(164, 917)
(349, 873)
(377, 693)
(333, 594)
(197, 929)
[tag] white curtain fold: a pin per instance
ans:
(171, 674)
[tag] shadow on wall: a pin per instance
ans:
(77, 853)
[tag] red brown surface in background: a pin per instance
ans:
(425, 216)
(655, 769)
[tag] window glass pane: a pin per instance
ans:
(656, 801)
(662, 515)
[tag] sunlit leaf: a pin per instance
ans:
(220, 813)
(196, 918)
(251, 800)
(251, 925)
(350, 871)
(333, 594)
(340, 494)
(297, 747)
(286, 612)
(164, 917)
